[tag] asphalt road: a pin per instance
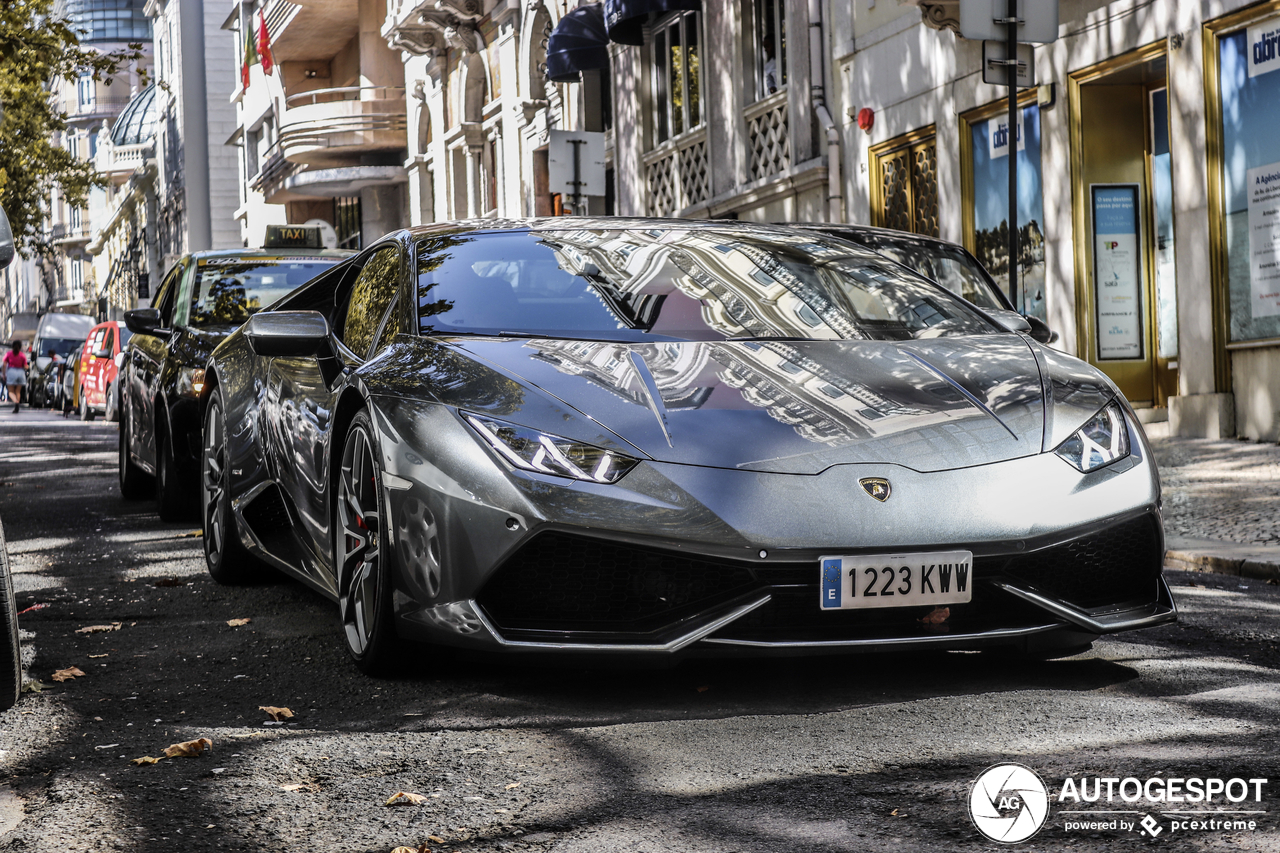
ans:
(828, 754)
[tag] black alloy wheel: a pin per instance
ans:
(11, 655)
(173, 501)
(86, 413)
(364, 579)
(226, 558)
(135, 484)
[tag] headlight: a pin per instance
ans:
(550, 454)
(1101, 441)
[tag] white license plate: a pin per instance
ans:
(896, 580)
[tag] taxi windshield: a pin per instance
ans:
(228, 291)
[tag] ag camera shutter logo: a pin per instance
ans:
(1008, 803)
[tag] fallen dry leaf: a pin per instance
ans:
(99, 656)
(893, 813)
(513, 785)
(404, 798)
(171, 582)
(189, 748)
(146, 759)
(98, 629)
(299, 787)
(275, 713)
(703, 689)
(421, 848)
(236, 623)
(195, 534)
(34, 687)
(937, 616)
(435, 839)
(66, 674)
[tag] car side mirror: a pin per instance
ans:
(102, 353)
(1040, 330)
(145, 321)
(1010, 321)
(6, 241)
(296, 334)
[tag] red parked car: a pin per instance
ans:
(98, 366)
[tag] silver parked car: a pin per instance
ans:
(650, 436)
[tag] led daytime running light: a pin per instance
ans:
(531, 450)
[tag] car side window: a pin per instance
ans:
(371, 295)
(182, 302)
(109, 342)
(164, 299)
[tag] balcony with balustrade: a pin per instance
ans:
(336, 127)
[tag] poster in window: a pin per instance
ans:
(1117, 271)
(991, 145)
(1249, 84)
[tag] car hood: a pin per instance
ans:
(796, 406)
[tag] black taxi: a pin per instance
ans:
(203, 298)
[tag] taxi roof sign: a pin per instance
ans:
(293, 237)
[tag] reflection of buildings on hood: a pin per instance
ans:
(675, 369)
(822, 404)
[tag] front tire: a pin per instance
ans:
(135, 484)
(226, 558)
(363, 565)
(86, 413)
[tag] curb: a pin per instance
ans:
(1224, 558)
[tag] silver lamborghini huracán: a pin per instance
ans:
(650, 436)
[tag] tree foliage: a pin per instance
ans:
(38, 49)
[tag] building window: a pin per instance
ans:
(76, 281)
(1247, 245)
(904, 189)
(251, 141)
(771, 47)
(86, 91)
(677, 93)
(985, 169)
(346, 221)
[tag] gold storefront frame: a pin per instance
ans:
(1219, 288)
(968, 118)
(882, 150)
(1086, 326)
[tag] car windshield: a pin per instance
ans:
(949, 266)
(228, 291)
(677, 284)
(62, 346)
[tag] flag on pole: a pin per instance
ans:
(250, 57)
(264, 45)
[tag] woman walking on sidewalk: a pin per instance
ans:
(15, 373)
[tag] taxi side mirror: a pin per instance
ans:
(145, 321)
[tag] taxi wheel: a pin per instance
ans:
(86, 413)
(225, 557)
(362, 558)
(11, 654)
(135, 484)
(173, 500)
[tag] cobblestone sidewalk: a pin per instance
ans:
(1221, 504)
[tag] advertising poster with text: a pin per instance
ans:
(1117, 272)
